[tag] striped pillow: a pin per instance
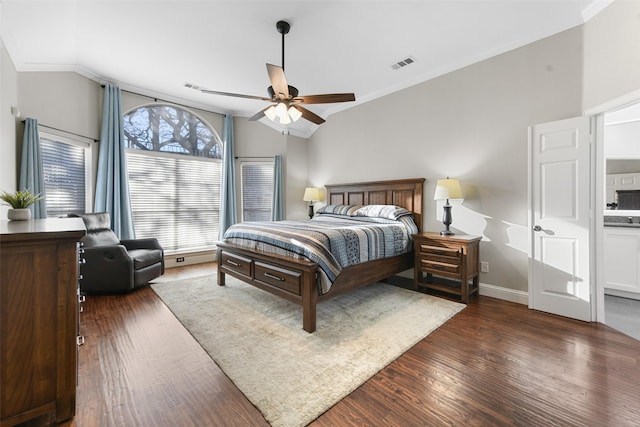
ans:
(381, 211)
(346, 210)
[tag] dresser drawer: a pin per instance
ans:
(281, 278)
(236, 263)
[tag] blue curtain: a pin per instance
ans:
(112, 185)
(31, 172)
(228, 215)
(277, 208)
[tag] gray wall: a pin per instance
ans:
(8, 98)
(612, 54)
(472, 124)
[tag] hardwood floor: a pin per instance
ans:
(495, 363)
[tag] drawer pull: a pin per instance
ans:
(271, 276)
(235, 264)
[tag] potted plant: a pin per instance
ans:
(19, 202)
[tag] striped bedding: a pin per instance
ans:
(333, 241)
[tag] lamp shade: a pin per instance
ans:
(447, 189)
(311, 194)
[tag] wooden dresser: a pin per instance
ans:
(39, 319)
(447, 264)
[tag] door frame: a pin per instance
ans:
(598, 192)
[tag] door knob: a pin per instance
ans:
(537, 228)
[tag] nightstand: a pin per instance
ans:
(447, 264)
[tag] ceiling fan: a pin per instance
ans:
(287, 104)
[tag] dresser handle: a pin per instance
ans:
(271, 276)
(235, 264)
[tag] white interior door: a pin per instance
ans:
(560, 209)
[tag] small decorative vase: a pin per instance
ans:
(19, 214)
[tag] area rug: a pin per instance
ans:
(292, 376)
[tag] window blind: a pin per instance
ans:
(175, 198)
(257, 190)
(64, 177)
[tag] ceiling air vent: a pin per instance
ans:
(403, 63)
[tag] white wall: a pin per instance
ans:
(622, 140)
(9, 97)
(470, 124)
(254, 139)
(612, 54)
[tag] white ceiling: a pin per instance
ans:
(155, 47)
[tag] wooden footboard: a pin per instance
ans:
(297, 280)
(293, 279)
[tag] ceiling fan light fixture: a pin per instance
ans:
(271, 113)
(285, 120)
(294, 113)
(281, 110)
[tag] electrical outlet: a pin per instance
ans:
(180, 259)
(484, 267)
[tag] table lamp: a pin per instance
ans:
(447, 189)
(311, 194)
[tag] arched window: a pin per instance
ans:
(174, 167)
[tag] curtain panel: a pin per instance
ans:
(112, 185)
(31, 172)
(277, 209)
(228, 206)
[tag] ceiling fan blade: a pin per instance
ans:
(311, 116)
(326, 98)
(237, 95)
(215, 92)
(278, 80)
(259, 114)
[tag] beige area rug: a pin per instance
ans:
(291, 376)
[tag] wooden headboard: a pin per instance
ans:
(406, 193)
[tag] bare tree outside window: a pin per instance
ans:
(171, 130)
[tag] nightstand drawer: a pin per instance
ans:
(439, 266)
(439, 250)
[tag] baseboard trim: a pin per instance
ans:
(506, 294)
(171, 261)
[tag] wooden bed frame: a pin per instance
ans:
(296, 279)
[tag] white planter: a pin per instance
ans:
(19, 214)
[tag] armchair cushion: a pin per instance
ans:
(144, 257)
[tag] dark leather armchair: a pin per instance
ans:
(113, 265)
